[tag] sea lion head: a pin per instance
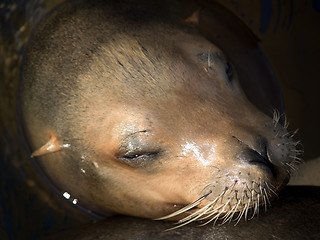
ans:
(148, 124)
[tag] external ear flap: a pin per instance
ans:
(51, 146)
(194, 18)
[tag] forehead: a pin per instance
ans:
(136, 71)
(151, 64)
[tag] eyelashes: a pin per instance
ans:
(140, 155)
(134, 159)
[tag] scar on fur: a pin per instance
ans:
(194, 18)
(51, 146)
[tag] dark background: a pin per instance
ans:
(289, 35)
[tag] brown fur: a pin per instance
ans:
(147, 118)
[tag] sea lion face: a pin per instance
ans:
(162, 122)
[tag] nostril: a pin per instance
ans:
(257, 154)
(256, 158)
(259, 159)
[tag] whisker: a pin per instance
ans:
(270, 189)
(285, 143)
(205, 208)
(297, 151)
(246, 208)
(233, 185)
(276, 117)
(264, 197)
(224, 206)
(297, 143)
(217, 216)
(271, 185)
(295, 132)
(239, 217)
(252, 197)
(235, 210)
(265, 203)
(266, 194)
(286, 123)
(258, 202)
(212, 213)
(187, 222)
(228, 217)
(241, 213)
(186, 208)
(292, 167)
(228, 213)
(297, 158)
(209, 221)
(215, 201)
(254, 211)
(285, 135)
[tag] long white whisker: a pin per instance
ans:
(184, 209)
(191, 220)
(265, 203)
(297, 158)
(209, 221)
(266, 194)
(205, 208)
(217, 216)
(209, 216)
(270, 189)
(234, 210)
(258, 202)
(239, 217)
(254, 211)
(229, 216)
(247, 208)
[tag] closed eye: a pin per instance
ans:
(229, 71)
(140, 156)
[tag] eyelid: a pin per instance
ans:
(229, 70)
(137, 155)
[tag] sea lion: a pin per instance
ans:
(139, 114)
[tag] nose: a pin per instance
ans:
(257, 155)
